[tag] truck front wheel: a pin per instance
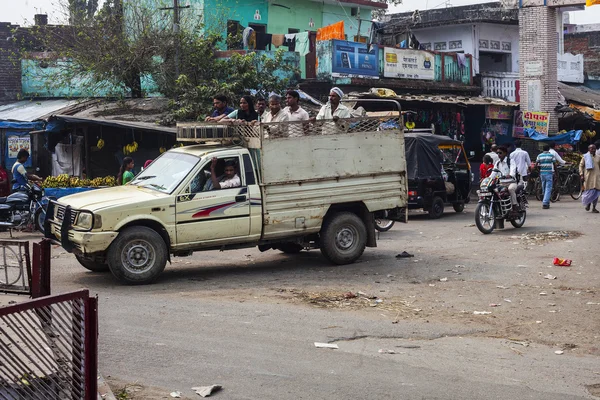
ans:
(137, 256)
(343, 238)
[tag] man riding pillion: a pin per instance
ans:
(502, 170)
(20, 176)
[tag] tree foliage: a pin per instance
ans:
(119, 46)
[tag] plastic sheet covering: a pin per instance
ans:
(572, 137)
(423, 156)
(66, 158)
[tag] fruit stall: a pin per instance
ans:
(64, 185)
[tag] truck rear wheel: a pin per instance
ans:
(343, 238)
(137, 256)
(92, 265)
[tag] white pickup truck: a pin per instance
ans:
(302, 185)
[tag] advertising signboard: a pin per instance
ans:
(409, 64)
(352, 59)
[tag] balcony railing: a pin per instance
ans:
(501, 85)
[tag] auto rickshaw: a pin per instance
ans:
(439, 173)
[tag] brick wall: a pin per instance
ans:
(588, 44)
(10, 68)
(538, 42)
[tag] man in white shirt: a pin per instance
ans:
(229, 179)
(296, 114)
(555, 154)
(293, 108)
(275, 114)
(333, 109)
(493, 154)
(520, 163)
(505, 176)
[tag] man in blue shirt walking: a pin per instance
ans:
(546, 162)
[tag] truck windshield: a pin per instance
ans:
(166, 172)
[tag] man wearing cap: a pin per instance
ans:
(333, 109)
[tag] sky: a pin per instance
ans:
(21, 11)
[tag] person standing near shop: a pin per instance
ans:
(4, 182)
(589, 170)
(126, 171)
(493, 153)
(20, 175)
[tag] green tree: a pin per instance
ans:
(119, 45)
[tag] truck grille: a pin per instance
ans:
(59, 214)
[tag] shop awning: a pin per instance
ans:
(381, 93)
(580, 95)
(588, 110)
(57, 122)
(32, 110)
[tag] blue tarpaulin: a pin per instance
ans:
(572, 137)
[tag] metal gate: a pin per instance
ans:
(48, 348)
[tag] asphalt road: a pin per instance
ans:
(248, 320)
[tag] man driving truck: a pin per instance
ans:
(229, 179)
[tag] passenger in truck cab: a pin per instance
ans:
(229, 179)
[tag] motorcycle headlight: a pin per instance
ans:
(85, 220)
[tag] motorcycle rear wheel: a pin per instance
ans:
(486, 224)
(519, 222)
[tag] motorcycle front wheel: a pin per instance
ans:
(484, 218)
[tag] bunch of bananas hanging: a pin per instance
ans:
(100, 143)
(130, 148)
(64, 181)
(162, 150)
(588, 135)
(572, 157)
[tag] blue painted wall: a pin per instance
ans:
(41, 81)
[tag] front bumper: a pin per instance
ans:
(79, 242)
(84, 243)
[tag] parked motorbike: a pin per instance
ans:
(382, 223)
(26, 207)
(495, 207)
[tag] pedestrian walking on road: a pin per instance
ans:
(546, 162)
(589, 169)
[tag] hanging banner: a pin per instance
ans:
(498, 112)
(15, 141)
(352, 59)
(409, 64)
(534, 120)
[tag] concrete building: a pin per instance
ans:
(587, 42)
(490, 32)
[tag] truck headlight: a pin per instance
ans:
(85, 220)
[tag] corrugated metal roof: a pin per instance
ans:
(31, 110)
(445, 99)
(580, 94)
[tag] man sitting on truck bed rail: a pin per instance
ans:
(333, 109)
(229, 179)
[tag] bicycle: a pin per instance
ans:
(570, 182)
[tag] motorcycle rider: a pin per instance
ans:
(506, 179)
(20, 175)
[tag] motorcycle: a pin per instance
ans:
(382, 223)
(26, 207)
(495, 207)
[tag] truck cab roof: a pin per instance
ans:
(202, 150)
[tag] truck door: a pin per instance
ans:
(207, 215)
